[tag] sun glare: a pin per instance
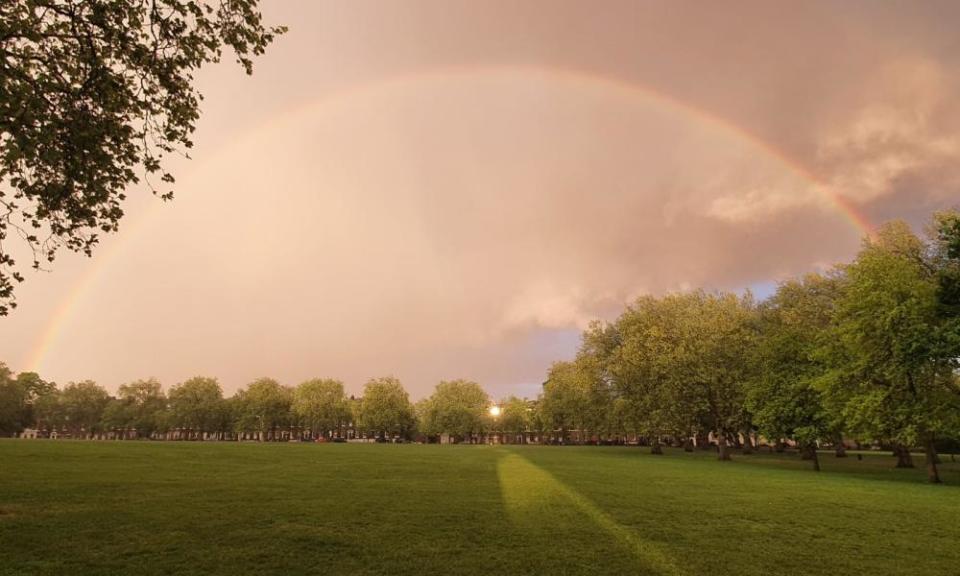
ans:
(494, 410)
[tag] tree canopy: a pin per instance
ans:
(457, 407)
(94, 95)
(385, 408)
(321, 405)
(196, 404)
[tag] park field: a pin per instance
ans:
(145, 508)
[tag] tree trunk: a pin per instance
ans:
(780, 446)
(734, 440)
(808, 452)
(841, 449)
(703, 441)
(655, 446)
(933, 474)
(722, 449)
(747, 444)
(815, 457)
(904, 459)
(688, 444)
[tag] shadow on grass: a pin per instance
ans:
(540, 506)
(873, 465)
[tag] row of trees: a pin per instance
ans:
(868, 350)
(265, 410)
(197, 409)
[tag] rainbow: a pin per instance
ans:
(844, 206)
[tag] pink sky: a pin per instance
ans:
(442, 189)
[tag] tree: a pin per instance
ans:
(599, 344)
(458, 408)
(138, 407)
(642, 367)
(264, 407)
(784, 399)
(892, 351)
(575, 397)
(48, 410)
(13, 403)
(719, 348)
(516, 417)
(82, 405)
(322, 406)
(682, 366)
(95, 94)
(196, 406)
(385, 409)
(18, 395)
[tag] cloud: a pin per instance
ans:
(903, 128)
(444, 193)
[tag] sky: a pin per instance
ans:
(440, 189)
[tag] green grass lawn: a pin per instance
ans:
(74, 508)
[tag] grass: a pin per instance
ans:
(190, 508)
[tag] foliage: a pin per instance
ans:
(575, 397)
(139, 406)
(516, 416)
(683, 363)
(264, 406)
(646, 368)
(785, 401)
(81, 406)
(18, 398)
(321, 405)
(457, 407)
(94, 95)
(385, 409)
(892, 349)
(196, 405)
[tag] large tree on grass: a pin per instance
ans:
(457, 407)
(138, 406)
(575, 397)
(82, 405)
(321, 405)
(13, 403)
(683, 365)
(196, 406)
(385, 409)
(893, 350)
(93, 95)
(516, 417)
(265, 406)
(642, 367)
(784, 399)
(710, 363)
(18, 398)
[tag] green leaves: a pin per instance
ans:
(93, 96)
(385, 408)
(197, 405)
(264, 406)
(457, 407)
(784, 399)
(576, 397)
(321, 405)
(892, 352)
